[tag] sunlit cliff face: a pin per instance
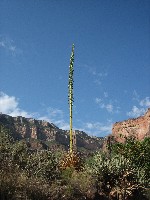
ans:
(138, 127)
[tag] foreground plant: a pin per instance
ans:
(71, 160)
(70, 95)
(138, 152)
(118, 178)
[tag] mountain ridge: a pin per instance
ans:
(30, 129)
(42, 134)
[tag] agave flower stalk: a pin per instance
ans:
(70, 96)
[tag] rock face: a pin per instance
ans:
(47, 133)
(138, 127)
(22, 127)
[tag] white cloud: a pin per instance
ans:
(102, 74)
(9, 105)
(19, 112)
(105, 94)
(97, 76)
(108, 106)
(145, 102)
(55, 112)
(2, 44)
(97, 128)
(135, 96)
(98, 82)
(139, 110)
(45, 118)
(98, 100)
(62, 124)
(9, 45)
(58, 122)
(136, 112)
(89, 125)
(57, 117)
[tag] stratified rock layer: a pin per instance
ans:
(35, 130)
(138, 128)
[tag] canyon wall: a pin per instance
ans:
(137, 127)
(39, 130)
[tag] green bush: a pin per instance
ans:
(26, 175)
(42, 164)
(137, 152)
(126, 171)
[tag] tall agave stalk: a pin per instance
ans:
(72, 158)
(70, 96)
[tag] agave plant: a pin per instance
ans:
(71, 160)
(70, 94)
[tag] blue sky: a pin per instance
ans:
(111, 69)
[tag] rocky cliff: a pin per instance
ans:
(42, 134)
(138, 127)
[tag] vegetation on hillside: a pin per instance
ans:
(37, 175)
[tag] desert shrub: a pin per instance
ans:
(12, 182)
(124, 175)
(6, 142)
(83, 184)
(66, 175)
(11, 152)
(25, 175)
(42, 164)
(117, 178)
(137, 152)
(147, 193)
(75, 185)
(16, 185)
(20, 154)
(37, 188)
